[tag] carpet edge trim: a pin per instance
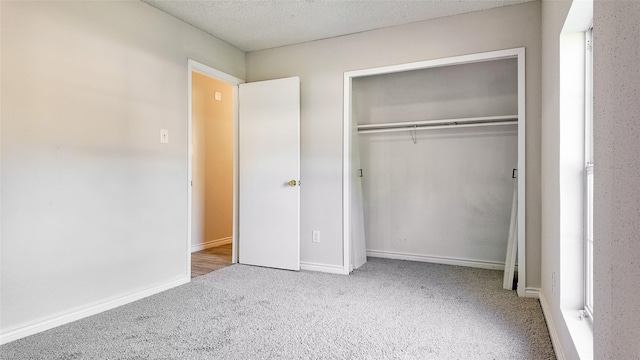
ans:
(49, 322)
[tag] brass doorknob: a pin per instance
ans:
(293, 183)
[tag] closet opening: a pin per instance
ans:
(434, 163)
(212, 169)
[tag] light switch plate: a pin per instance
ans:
(164, 136)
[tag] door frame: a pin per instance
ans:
(194, 66)
(348, 172)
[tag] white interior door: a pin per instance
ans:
(269, 162)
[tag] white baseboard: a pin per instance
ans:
(50, 322)
(551, 325)
(211, 243)
(437, 259)
(532, 292)
(331, 269)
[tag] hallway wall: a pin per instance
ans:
(212, 208)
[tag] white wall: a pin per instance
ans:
(617, 188)
(449, 194)
(93, 206)
(321, 65)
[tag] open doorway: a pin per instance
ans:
(212, 160)
(269, 107)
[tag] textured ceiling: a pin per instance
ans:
(260, 24)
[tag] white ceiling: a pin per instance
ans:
(261, 24)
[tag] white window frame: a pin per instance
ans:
(589, 177)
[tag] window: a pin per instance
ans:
(588, 184)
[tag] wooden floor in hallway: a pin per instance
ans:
(208, 260)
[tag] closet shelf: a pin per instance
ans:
(439, 124)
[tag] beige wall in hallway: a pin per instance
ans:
(212, 217)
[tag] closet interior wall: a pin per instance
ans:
(441, 195)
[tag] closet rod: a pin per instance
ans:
(449, 126)
(482, 120)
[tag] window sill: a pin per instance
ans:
(581, 332)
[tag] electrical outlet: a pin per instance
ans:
(316, 236)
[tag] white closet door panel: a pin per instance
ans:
(358, 236)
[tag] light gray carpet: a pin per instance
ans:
(388, 309)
